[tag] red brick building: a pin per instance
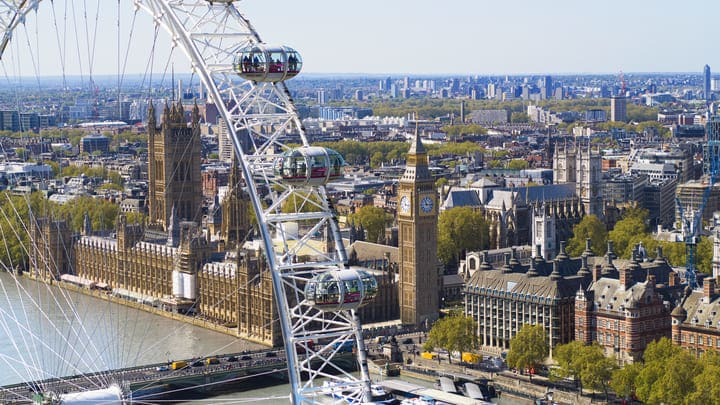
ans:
(696, 320)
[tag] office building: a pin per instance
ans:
(618, 108)
(706, 83)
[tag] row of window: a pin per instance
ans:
(701, 340)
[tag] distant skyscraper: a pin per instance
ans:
(321, 97)
(618, 108)
(359, 95)
(706, 82)
(491, 90)
(547, 89)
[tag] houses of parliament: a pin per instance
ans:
(181, 260)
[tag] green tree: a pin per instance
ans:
(528, 348)
(707, 382)
(461, 229)
(373, 219)
(630, 230)
(102, 213)
(596, 369)
(518, 164)
(518, 117)
(657, 383)
(454, 333)
(590, 227)
(567, 357)
(623, 380)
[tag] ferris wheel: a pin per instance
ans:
(316, 294)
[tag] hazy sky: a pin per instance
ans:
(427, 37)
(494, 36)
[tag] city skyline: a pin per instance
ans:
(518, 37)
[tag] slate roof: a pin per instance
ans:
(702, 314)
(462, 198)
(609, 295)
(520, 286)
(373, 251)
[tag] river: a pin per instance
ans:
(46, 331)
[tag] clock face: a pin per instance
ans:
(405, 204)
(426, 204)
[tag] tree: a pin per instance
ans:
(590, 227)
(567, 356)
(628, 231)
(518, 164)
(657, 383)
(102, 213)
(518, 117)
(461, 229)
(373, 220)
(707, 382)
(623, 380)
(528, 348)
(596, 369)
(454, 333)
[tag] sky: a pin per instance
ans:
(423, 37)
(493, 36)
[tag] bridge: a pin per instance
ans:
(154, 380)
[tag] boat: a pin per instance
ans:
(472, 390)
(447, 384)
(547, 399)
(379, 396)
(423, 400)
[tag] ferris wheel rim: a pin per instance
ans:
(164, 14)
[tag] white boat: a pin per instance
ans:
(338, 390)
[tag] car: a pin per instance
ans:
(270, 354)
(407, 341)
(246, 357)
(232, 359)
(197, 363)
(162, 368)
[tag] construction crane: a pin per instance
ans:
(691, 217)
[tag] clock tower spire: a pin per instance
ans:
(417, 222)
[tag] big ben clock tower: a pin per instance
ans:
(417, 220)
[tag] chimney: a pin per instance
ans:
(597, 272)
(625, 278)
(673, 279)
(650, 284)
(708, 289)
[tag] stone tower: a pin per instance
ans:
(50, 250)
(582, 167)
(235, 208)
(588, 180)
(417, 240)
(543, 232)
(174, 166)
(564, 165)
